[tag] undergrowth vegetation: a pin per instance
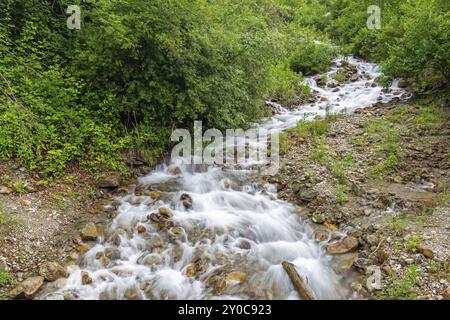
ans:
(135, 71)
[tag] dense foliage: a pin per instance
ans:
(139, 68)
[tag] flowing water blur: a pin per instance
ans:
(234, 225)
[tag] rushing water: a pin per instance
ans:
(234, 225)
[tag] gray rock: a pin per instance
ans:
(110, 182)
(27, 288)
(308, 195)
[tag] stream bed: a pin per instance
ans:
(209, 232)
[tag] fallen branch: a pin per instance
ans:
(299, 285)
(378, 247)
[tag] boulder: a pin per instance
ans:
(308, 195)
(165, 212)
(28, 288)
(52, 271)
(85, 278)
(110, 182)
(186, 200)
(89, 232)
(347, 244)
(425, 251)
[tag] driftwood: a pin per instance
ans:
(299, 285)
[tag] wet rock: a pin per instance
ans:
(5, 190)
(155, 242)
(85, 278)
(60, 283)
(140, 229)
(190, 271)
(155, 217)
(110, 182)
(246, 245)
(55, 296)
(174, 170)
(347, 244)
(99, 255)
(186, 200)
(425, 251)
(165, 212)
(346, 263)
(152, 259)
(52, 271)
(217, 282)
(175, 233)
(112, 253)
(155, 195)
(165, 225)
(357, 287)
(195, 268)
(354, 77)
(89, 232)
(236, 276)
(28, 288)
(105, 261)
(132, 294)
(332, 84)
(321, 235)
(82, 248)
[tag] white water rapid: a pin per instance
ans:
(234, 226)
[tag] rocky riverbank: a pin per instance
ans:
(375, 184)
(45, 225)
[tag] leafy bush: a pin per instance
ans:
(311, 58)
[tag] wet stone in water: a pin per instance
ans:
(85, 278)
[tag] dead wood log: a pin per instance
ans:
(299, 285)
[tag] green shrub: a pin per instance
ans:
(404, 287)
(5, 279)
(311, 58)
